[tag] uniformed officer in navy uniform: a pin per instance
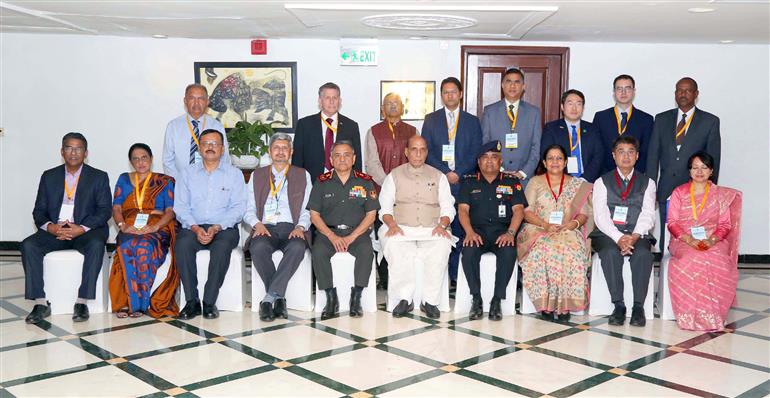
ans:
(491, 208)
(343, 205)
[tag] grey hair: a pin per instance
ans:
(342, 142)
(280, 136)
(195, 85)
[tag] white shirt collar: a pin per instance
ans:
(620, 108)
(454, 112)
(679, 113)
(620, 173)
(514, 103)
(333, 117)
(570, 124)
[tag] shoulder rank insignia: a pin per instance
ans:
(363, 176)
(325, 176)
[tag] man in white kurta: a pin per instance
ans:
(417, 207)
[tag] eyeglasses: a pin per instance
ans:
(626, 153)
(554, 159)
(212, 144)
(74, 149)
(144, 158)
(627, 89)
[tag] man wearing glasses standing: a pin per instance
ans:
(209, 202)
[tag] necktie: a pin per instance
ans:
(680, 137)
(574, 138)
(623, 120)
(451, 124)
(193, 145)
(328, 142)
(625, 183)
(510, 109)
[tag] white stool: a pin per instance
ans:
(664, 295)
(62, 274)
(487, 268)
(343, 265)
(419, 269)
(601, 303)
(231, 293)
(160, 277)
(299, 291)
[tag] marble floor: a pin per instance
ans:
(377, 355)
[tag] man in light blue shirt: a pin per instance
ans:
(276, 211)
(180, 146)
(209, 201)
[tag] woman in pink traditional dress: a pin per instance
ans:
(704, 221)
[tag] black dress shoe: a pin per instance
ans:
(477, 308)
(430, 310)
(39, 312)
(402, 308)
(266, 311)
(279, 309)
(210, 311)
(618, 317)
(495, 312)
(564, 317)
(332, 306)
(191, 309)
(546, 316)
(80, 313)
(356, 311)
(637, 317)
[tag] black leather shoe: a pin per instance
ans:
(80, 313)
(191, 309)
(402, 308)
(356, 311)
(279, 309)
(266, 311)
(210, 311)
(637, 317)
(430, 310)
(332, 306)
(618, 317)
(495, 312)
(546, 316)
(563, 317)
(477, 308)
(39, 312)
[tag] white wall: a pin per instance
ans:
(118, 91)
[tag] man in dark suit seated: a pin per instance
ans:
(579, 137)
(71, 211)
(624, 119)
(677, 134)
(315, 134)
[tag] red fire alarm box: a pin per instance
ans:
(258, 47)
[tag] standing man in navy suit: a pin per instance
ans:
(516, 124)
(71, 211)
(580, 138)
(315, 134)
(624, 119)
(453, 137)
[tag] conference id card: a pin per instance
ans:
(448, 153)
(501, 210)
(271, 212)
(141, 220)
(698, 233)
(572, 165)
(511, 140)
(67, 213)
(198, 158)
(620, 214)
(556, 217)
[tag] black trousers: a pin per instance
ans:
(323, 250)
(663, 209)
(220, 248)
(612, 265)
(91, 245)
(506, 258)
(262, 248)
(454, 255)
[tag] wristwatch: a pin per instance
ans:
(511, 232)
(300, 227)
(121, 224)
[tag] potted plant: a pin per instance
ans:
(248, 142)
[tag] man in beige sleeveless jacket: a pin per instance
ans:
(417, 207)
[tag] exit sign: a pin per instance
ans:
(358, 53)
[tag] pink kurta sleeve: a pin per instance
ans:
(675, 226)
(724, 225)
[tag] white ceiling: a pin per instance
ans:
(662, 21)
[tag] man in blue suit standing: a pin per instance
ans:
(580, 138)
(453, 137)
(624, 119)
(516, 124)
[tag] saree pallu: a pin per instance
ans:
(703, 284)
(138, 257)
(555, 265)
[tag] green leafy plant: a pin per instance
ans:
(249, 138)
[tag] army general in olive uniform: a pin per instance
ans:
(491, 208)
(343, 205)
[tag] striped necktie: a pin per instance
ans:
(193, 145)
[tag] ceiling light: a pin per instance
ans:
(402, 7)
(160, 36)
(418, 21)
(726, 41)
(700, 10)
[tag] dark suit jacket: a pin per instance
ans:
(703, 134)
(93, 200)
(467, 142)
(639, 126)
(592, 149)
(309, 143)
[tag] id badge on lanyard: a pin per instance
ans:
(448, 153)
(620, 214)
(67, 213)
(511, 140)
(698, 233)
(271, 211)
(556, 217)
(141, 220)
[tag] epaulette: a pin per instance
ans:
(325, 177)
(363, 176)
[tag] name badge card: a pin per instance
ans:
(512, 140)
(620, 214)
(698, 233)
(448, 153)
(198, 158)
(271, 211)
(501, 212)
(67, 213)
(556, 217)
(141, 220)
(572, 164)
